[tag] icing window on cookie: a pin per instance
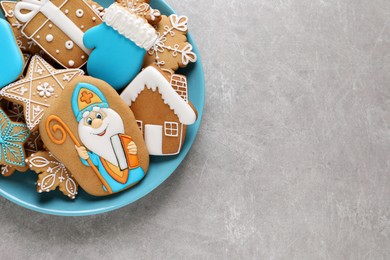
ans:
(79, 13)
(171, 129)
(140, 125)
(69, 45)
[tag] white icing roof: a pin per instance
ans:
(152, 79)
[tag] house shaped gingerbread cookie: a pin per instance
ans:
(161, 108)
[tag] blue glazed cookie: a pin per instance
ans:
(119, 46)
(11, 58)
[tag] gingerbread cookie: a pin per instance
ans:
(161, 108)
(96, 136)
(25, 45)
(142, 9)
(52, 174)
(39, 89)
(119, 46)
(34, 143)
(9, 170)
(171, 50)
(14, 111)
(12, 139)
(11, 59)
(58, 27)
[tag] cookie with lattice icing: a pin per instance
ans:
(171, 51)
(41, 87)
(52, 174)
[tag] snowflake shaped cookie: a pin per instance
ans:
(142, 9)
(12, 138)
(39, 89)
(171, 50)
(52, 174)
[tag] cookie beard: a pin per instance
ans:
(101, 145)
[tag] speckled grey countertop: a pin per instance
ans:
(293, 157)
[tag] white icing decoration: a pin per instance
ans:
(131, 26)
(79, 13)
(57, 170)
(53, 14)
(177, 23)
(153, 139)
(49, 38)
(71, 63)
(152, 79)
(45, 90)
(69, 45)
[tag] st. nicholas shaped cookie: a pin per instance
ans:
(95, 135)
(40, 88)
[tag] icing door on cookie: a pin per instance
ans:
(153, 139)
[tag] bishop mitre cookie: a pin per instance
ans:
(95, 135)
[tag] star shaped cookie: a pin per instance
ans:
(12, 138)
(41, 86)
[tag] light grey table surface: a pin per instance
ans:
(293, 157)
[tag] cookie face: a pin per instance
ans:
(58, 27)
(95, 135)
(11, 59)
(12, 139)
(161, 108)
(130, 35)
(41, 87)
(171, 50)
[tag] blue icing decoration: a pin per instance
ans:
(115, 59)
(135, 175)
(11, 59)
(78, 113)
(12, 135)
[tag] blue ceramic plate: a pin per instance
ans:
(20, 188)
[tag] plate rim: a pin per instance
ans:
(101, 210)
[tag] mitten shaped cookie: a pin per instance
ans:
(119, 46)
(11, 58)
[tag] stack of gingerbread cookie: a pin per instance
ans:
(88, 93)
